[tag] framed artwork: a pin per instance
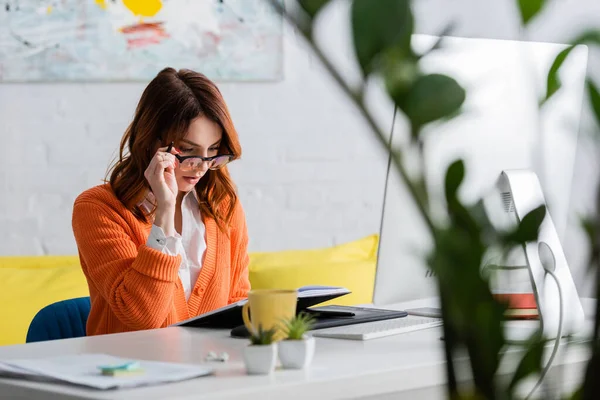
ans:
(131, 40)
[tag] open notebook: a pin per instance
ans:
(230, 316)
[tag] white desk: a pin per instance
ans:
(409, 365)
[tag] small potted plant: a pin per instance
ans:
(297, 349)
(260, 356)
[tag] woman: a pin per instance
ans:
(165, 238)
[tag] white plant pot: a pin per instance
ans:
(260, 359)
(296, 354)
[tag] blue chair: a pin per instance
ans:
(61, 320)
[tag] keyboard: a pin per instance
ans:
(378, 329)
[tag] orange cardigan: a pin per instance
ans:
(133, 286)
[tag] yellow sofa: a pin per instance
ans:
(27, 284)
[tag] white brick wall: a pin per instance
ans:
(304, 178)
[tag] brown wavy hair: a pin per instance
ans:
(163, 115)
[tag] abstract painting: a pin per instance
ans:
(131, 40)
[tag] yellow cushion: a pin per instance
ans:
(27, 284)
(351, 265)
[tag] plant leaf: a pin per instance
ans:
(529, 364)
(379, 25)
(528, 229)
(553, 81)
(432, 97)
(576, 395)
(400, 72)
(479, 214)
(461, 217)
(590, 36)
(591, 383)
(594, 99)
(590, 228)
(529, 9)
(454, 177)
(312, 7)
(262, 337)
(298, 325)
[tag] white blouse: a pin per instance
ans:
(191, 244)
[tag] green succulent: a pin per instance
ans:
(262, 336)
(297, 326)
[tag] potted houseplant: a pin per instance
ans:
(297, 349)
(381, 35)
(260, 356)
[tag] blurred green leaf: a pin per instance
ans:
(454, 177)
(460, 215)
(421, 191)
(312, 7)
(432, 97)
(591, 384)
(529, 364)
(485, 340)
(471, 313)
(591, 36)
(576, 395)
(529, 9)
(455, 261)
(594, 99)
(528, 229)
(480, 215)
(590, 228)
(378, 26)
(553, 81)
(400, 71)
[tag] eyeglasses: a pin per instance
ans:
(191, 163)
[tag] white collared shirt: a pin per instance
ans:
(191, 244)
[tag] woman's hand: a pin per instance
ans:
(160, 174)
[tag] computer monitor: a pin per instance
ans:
(501, 128)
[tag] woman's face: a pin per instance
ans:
(203, 138)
